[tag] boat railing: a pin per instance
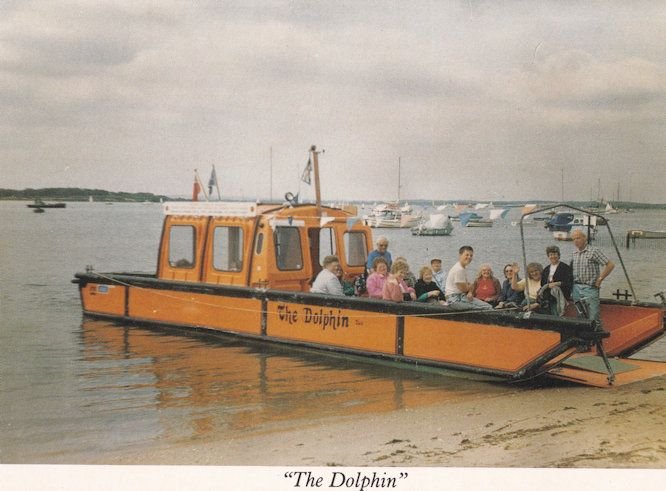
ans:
(602, 220)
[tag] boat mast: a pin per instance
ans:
(399, 180)
(315, 163)
(562, 184)
(271, 175)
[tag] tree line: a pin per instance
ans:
(77, 194)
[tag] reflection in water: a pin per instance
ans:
(200, 385)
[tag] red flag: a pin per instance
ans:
(195, 190)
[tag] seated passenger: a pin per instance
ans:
(486, 287)
(395, 287)
(509, 297)
(458, 288)
(375, 282)
(531, 288)
(558, 278)
(438, 274)
(409, 278)
(426, 289)
(327, 281)
(381, 250)
(347, 287)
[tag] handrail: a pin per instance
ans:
(587, 212)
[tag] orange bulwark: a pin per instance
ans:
(246, 269)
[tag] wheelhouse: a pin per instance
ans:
(258, 245)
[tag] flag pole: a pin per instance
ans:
(315, 163)
(217, 185)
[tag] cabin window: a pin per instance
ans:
(355, 250)
(260, 244)
(182, 246)
(288, 252)
(228, 249)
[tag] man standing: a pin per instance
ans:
(587, 273)
(380, 251)
(458, 288)
(327, 280)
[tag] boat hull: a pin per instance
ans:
(503, 345)
(427, 231)
(48, 205)
(479, 223)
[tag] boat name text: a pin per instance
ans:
(319, 317)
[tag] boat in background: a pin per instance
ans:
(472, 219)
(609, 210)
(436, 224)
(39, 204)
(564, 223)
(390, 215)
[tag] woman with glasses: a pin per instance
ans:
(382, 251)
(509, 297)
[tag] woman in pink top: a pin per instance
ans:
(376, 280)
(486, 287)
(395, 288)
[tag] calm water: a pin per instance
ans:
(70, 387)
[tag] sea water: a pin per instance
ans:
(72, 389)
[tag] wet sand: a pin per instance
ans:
(557, 426)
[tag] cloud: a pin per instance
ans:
(454, 88)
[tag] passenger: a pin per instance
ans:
(426, 289)
(587, 273)
(395, 287)
(347, 287)
(376, 280)
(438, 273)
(486, 287)
(380, 251)
(531, 301)
(458, 288)
(327, 281)
(558, 279)
(509, 297)
(410, 279)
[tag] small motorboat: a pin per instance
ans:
(39, 204)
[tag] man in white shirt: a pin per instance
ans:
(458, 288)
(327, 281)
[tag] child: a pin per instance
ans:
(438, 274)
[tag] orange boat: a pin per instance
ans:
(246, 268)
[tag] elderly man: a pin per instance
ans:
(458, 287)
(327, 280)
(380, 251)
(587, 273)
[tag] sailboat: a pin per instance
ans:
(391, 214)
(609, 210)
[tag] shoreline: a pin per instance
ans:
(552, 427)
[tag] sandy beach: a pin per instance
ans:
(555, 427)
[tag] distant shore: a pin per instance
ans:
(79, 194)
(555, 427)
(84, 194)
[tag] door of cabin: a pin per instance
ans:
(322, 243)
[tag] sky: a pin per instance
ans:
(442, 100)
